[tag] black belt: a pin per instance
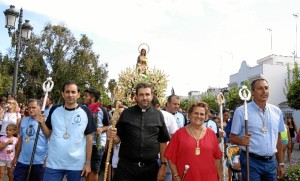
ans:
(139, 164)
(258, 157)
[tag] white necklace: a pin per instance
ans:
(264, 129)
(66, 135)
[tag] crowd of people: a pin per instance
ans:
(151, 141)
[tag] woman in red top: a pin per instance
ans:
(196, 146)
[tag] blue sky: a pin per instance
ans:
(198, 43)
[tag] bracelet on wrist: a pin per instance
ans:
(163, 163)
(281, 164)
(87, 163)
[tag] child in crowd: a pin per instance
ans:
(233, 154)
(7, 150)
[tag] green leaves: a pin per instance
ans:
(293, 88)
(56, 53)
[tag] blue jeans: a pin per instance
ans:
(21, 172)
(259, 169)
(58, 175)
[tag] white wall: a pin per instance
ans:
(274, 69)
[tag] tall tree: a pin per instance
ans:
(6, 72)
(68, 59)
(58, 54)
(58, 44)
(232, 97)
(210, 99)
(293, 87)
(32, 69)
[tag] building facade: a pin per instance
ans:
(274, 69)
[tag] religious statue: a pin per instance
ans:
(142, 60)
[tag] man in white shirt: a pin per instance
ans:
(172, 107)
(171, 126)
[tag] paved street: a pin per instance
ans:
(295, 156)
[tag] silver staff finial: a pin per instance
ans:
(220, 98)
(48, 85)
(244, 93)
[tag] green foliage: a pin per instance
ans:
(72, 59)
(105, 100)
(55, 53)
(232, 97)
(293, 95)
(32, 71)
(6, 74)
(292, 171)
(210, 99)
(186, 103)
(293, 88)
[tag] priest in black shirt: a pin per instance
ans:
(143, 135)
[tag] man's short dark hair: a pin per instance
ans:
(213, 112)
(70, 82)
(155, 101)
(93, 93)
(254, 81)
(171, 96)
(142, 85)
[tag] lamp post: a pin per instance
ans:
(270, 30)
(22, 33)
(296, 16)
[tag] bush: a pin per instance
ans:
(292, 171)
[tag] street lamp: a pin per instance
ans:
(22, 33)
(296, 16)
(270, 30)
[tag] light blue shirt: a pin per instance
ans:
(100, 125)
(28, 130)
(263, 144)
(67, 154)
(212, 125)
(46, 111)
(179, 119)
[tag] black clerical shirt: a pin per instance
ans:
(140, 132)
